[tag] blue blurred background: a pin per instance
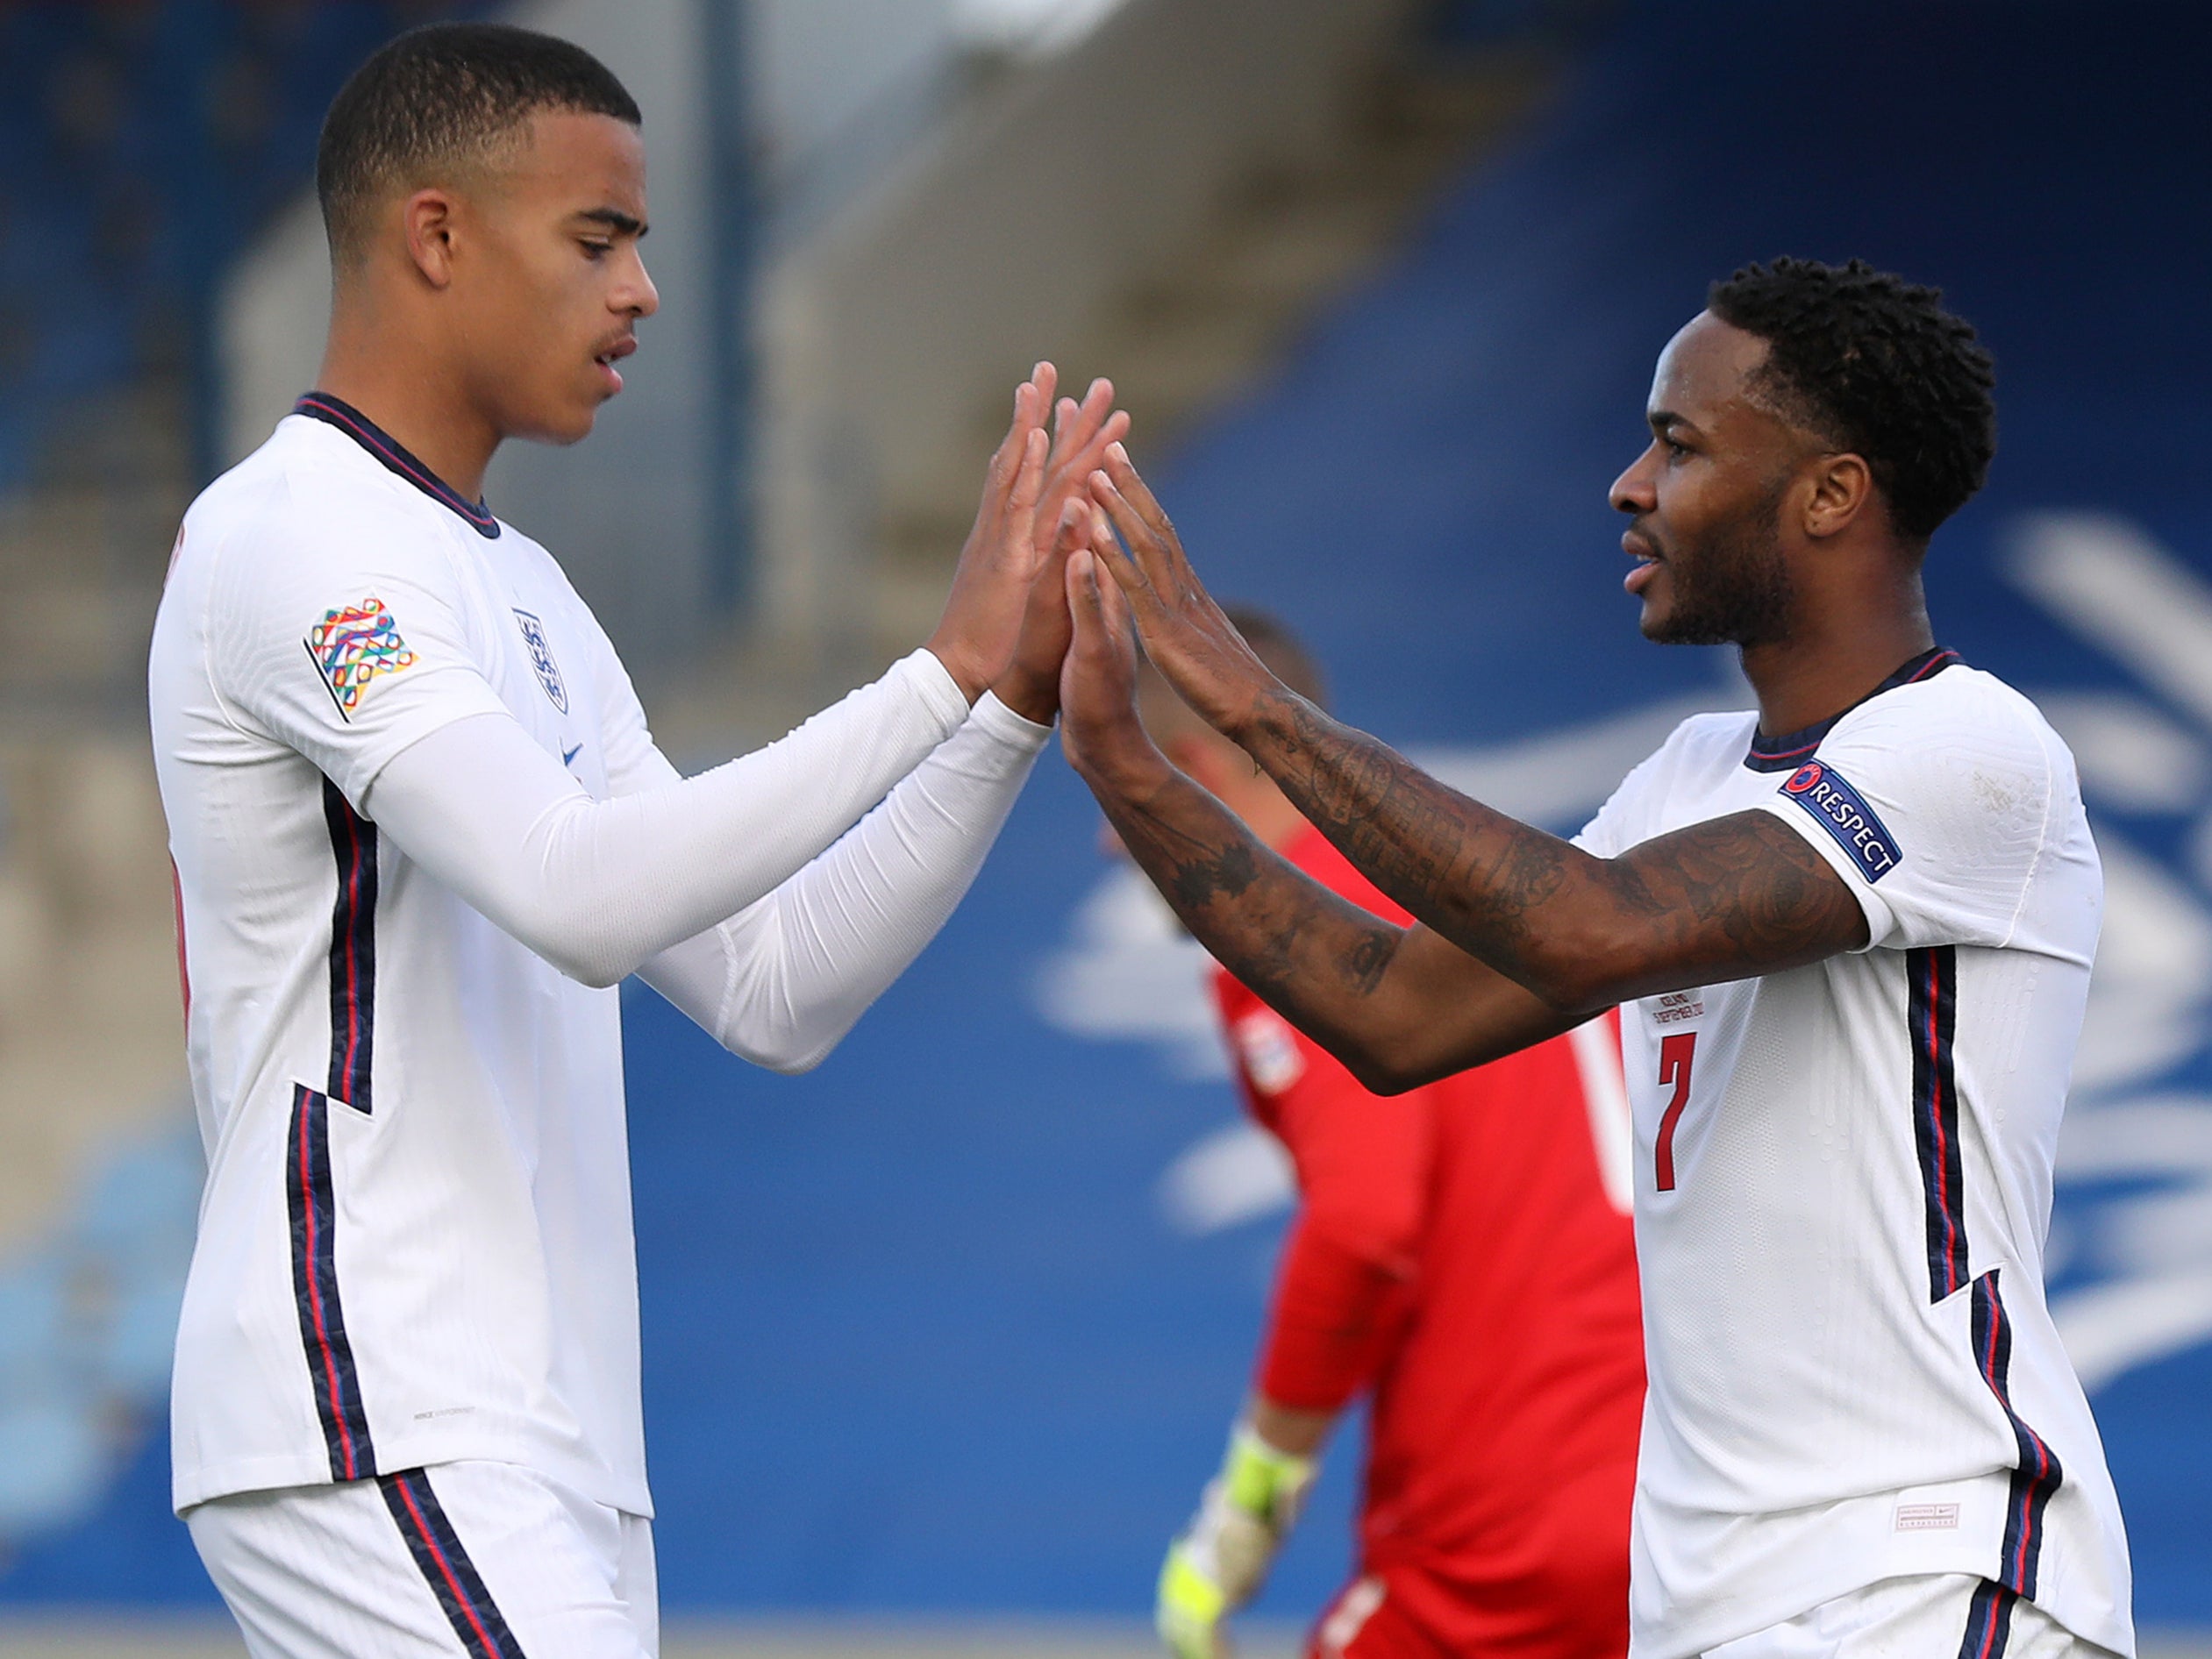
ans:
(953, 1327)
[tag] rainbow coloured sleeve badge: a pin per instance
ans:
(351, 645)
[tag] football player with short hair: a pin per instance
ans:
(1850, 933)
(421, 831)
(1461, 1257)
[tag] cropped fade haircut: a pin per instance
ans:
(1872, 364)
(440, 99)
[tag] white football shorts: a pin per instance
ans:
(489, 1561)
(1926, 1616)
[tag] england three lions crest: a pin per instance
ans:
(541, 659)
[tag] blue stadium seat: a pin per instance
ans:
(142, 146)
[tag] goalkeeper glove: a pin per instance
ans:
(1221, 1559)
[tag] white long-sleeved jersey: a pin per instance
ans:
(405, 776)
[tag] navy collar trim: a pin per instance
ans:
(1792, 749)
(322, 406)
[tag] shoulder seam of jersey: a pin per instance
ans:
(2043, 838)
(229, 707)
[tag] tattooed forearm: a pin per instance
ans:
(1362, 961)
(1474, 875)
(1209, 873)
(1363, 796)
(1287, 937)
(1398, 1005)
(1721, 899)
(1529, 872)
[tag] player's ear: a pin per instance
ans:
(427, 218)
(1842, 487)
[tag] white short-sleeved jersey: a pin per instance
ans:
(1843, 1181)
(414, 1244)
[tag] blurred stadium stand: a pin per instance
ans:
(1164, 196)
(949, 1331)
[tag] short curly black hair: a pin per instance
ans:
(442, 96)
(1873, 364)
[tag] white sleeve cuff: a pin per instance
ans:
(1018, 732)
(923, 674)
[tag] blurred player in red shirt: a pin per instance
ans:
(1461, 1253)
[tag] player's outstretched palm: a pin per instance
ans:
(1185, 634)
(1082, 435)
(1100, 727)
(1031, 685)
(1026, 488)
(974, 638)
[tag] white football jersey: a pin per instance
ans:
(415, 1243)
(1843, 1184)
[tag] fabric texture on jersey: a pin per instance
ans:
(1927, 1616)
(485, 1561)
(1854, 1376)
(1457, 1251)
(2038, 1473)
(1990, 1611)
(309, 1196)
(415, 1243)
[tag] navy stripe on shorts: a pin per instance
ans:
(1988, 1622)
(445, 1567)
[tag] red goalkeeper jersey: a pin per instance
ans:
(1458, 1252)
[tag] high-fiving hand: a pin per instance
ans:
(1105, 741)
(1005, 624)
(1082, 433)
(1190, 641)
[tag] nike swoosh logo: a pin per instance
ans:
(572, 754)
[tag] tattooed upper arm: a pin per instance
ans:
(1728, 899)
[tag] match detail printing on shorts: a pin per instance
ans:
(1853, 1373)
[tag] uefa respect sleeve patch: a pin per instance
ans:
(351, 645)
(1843, 813)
